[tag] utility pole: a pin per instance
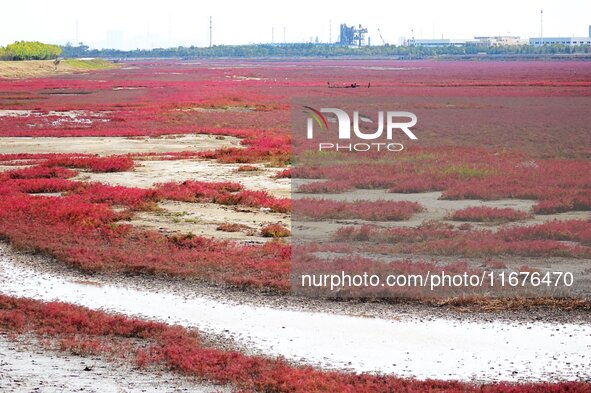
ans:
(210, 33)
(330, 31)
(77, 37)
(272, 35)
(169, 30)
(542, 27)
(284, 40)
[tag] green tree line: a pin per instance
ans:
(324, 50)
(29, 50)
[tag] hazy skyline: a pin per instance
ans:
(148, 24)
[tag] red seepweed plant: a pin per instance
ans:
(488, 214)
(275, 231)
(223, 193)
(381, 210)
(537, 240)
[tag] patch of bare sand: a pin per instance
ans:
(148, 173)
(115, 145)
(203, 219)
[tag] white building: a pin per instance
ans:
(570, 41)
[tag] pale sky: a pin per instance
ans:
(148, 23)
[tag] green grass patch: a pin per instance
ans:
(92, 64)
(468, 172)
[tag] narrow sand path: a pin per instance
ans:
(115, 145)
(409, 347)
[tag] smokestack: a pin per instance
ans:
(589, 31)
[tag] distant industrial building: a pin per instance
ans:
(500, 40)
(433, 43)
(569, 41)
(351, 35)
(481, 41)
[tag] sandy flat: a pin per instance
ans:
(203, 219)
(148, 173)
(114, 145)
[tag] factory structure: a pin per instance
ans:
(353, 36)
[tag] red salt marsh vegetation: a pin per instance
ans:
(86, 234)
(50, 205)
(81, 331)
(159, 99)
(548, 239)
(320, 209)
(153, 99)
(462, 173)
